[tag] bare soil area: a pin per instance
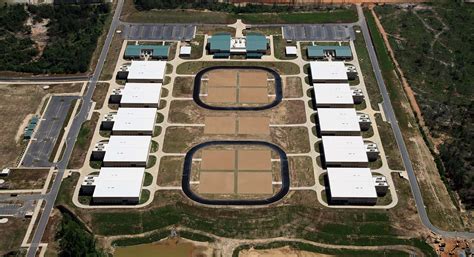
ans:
(16, 103)
(26, 178)
(280, 252)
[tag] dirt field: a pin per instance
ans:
(254, 182)
(287, 112)
(218, 160)
(253, 79)
(222, 78)
(216, 182)
(14, 230)
(220, 125)
(253, 95)
(292, 87)
(254, 160)
(26, 179)
(170, 171)
(280, 252)
(301, 171)
(254, 125)
(100, 93)
(16, 103)
(221, 95)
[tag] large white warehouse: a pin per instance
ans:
(134, 121)
(127, 151)
(351, 186)
(147, 71)
(143, 95)
(344, 151)
(338, 122)
(328, 72)
(118, 186)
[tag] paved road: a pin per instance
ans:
(390, 115)
(72, 135)
(46, 136)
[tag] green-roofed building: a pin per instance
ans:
(222, 45)
(219, 45)
(338, 52)
(256, 45)
(160, 52)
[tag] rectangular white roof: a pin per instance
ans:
(186, 50)
(135, 119)
(127, 149)
(141, 93)
(152, 70)
(351, 183)
(328, 70)
(338, 119)
(291, 50)
(332, 93)
(119, 182)
(344, 149)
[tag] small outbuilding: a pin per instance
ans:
(185, 51)
(291, 51)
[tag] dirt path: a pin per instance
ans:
(227, 245)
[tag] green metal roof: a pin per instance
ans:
(256, 42)
(160, 51)
(254, 55)
(318, 51)
(220, 42)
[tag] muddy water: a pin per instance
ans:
(162, 249)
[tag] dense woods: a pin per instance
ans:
(74, 240)
(217, 6)
(72, 33)
(435, 47)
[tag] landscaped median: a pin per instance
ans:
(283, 68)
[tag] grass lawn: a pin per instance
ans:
(79, 153)
(179, 16)
(367, 71)
(279, 45)
(100, 93)
(284, 68)
(14, 231)
(332, 16)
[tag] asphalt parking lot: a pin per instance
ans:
(320, 32)
(16, 209)
(44, 139)
(159, 31)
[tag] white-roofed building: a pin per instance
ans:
(118, 186)
(351, 186)
(146, 71)
(344, 151)
(291, 51)
(185, 51)
(328, 72)
(338, 122)
(138, 95)
(134, 121)
(333, 95)
(127, 151)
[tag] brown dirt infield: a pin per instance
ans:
(254, 125)
(254, 160)
(219, 125)
(221, 95)
(253, 79)
(253, 95)
(218, 160)
(222, 78)
(216, 183)
(254, 183)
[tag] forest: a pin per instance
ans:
(72, 32)
(216, 6)
(435, 48)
